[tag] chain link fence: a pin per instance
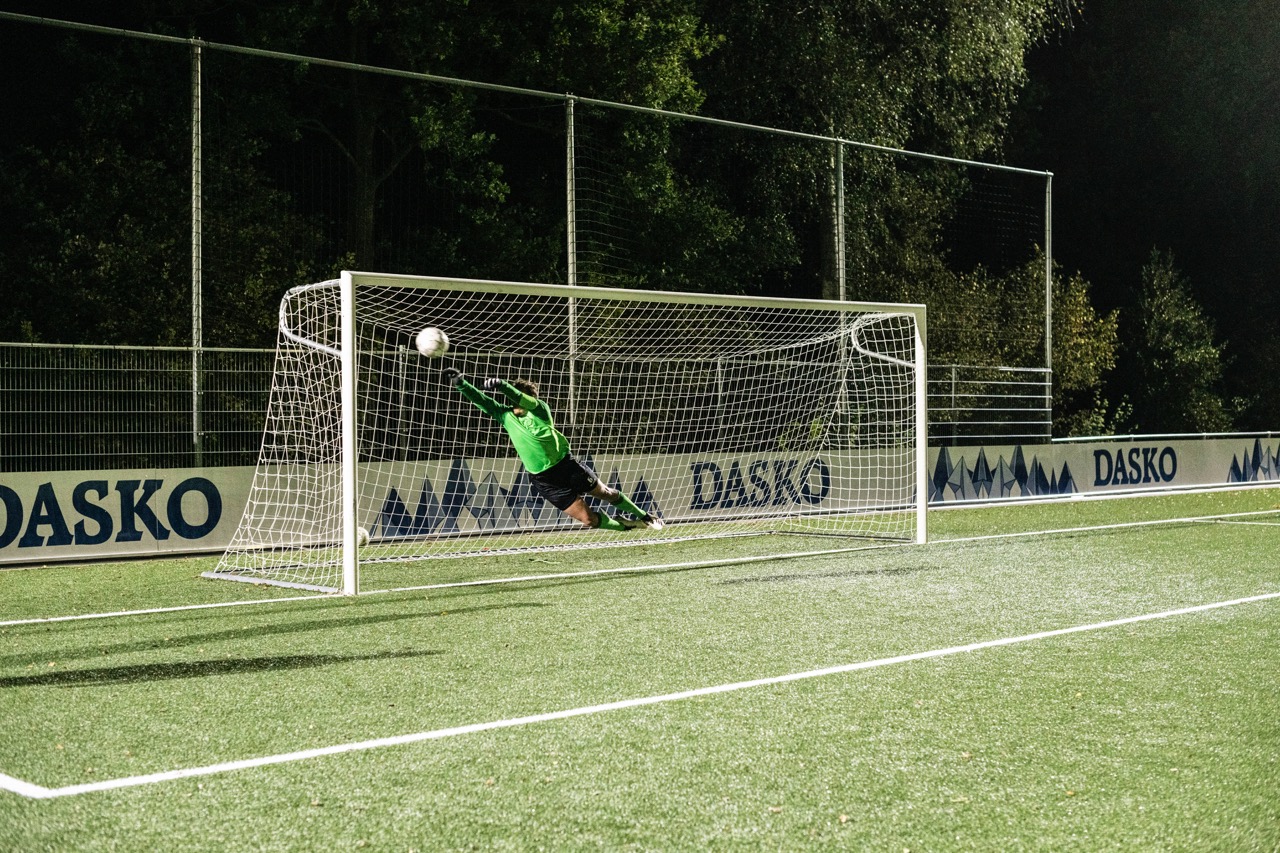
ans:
(164, 191)
(99, 408)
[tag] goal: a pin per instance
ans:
(724, 415)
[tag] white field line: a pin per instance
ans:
(704, 564)
(659, 567)
(734, 561)
(1109, 495)
(1250, 523)
(1101, 527)
(26, 789)
(38, 792)
(174, 609)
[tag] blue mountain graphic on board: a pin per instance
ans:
(1262, 464)
(956, 480)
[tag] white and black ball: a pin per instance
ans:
(432, 342)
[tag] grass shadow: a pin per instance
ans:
(152, 672)
(846, 573)
(176, 640)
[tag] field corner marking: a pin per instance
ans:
(25, 789)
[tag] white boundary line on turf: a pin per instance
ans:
(704, 564)
(175, 609)
(735, 561)
(1109, 495)
(659, 567)
(39, 792)
(1250, 523)
(26, 789)
(1100, 527)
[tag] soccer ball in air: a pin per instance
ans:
(432, 342)
(362, 537)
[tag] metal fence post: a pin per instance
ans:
(1048, 294)
(197, 260)
(571, 236)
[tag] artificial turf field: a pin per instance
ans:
(1098, 689)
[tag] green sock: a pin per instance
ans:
(627, 506)
(608, 522)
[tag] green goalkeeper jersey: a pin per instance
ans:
(537, 441)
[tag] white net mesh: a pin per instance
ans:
(725, 416)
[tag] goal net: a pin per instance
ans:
(722, 415)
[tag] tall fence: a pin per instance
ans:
(162, 190)
(972, 404)
(100, 408)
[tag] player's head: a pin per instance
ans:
(526, 386)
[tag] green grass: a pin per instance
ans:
(1156, 735)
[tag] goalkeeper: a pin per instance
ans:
(561, 479)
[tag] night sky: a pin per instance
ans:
(1160, 120)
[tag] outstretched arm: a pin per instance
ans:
(514, 395)
(483, 401)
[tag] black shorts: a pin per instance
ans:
(564, 482)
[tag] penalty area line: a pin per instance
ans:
(1247, 523)
(621, 570)
(38, 792)
(26, 789)
(828, 552)
(701, 564)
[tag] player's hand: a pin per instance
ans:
(493, 384)
(453, 376)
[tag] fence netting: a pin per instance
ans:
(164, 193)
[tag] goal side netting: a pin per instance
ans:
(725, 416)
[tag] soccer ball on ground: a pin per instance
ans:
(432, 342)
(362, 537)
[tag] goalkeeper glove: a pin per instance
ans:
(453, 376)
(492, 384)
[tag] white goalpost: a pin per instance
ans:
(722, 415)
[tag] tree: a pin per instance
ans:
(456, 140)
(1176, 366)
(430, 177)
(933, 76)
(444, 179)
(998, 329)
(1085, 348)
(97, 196)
